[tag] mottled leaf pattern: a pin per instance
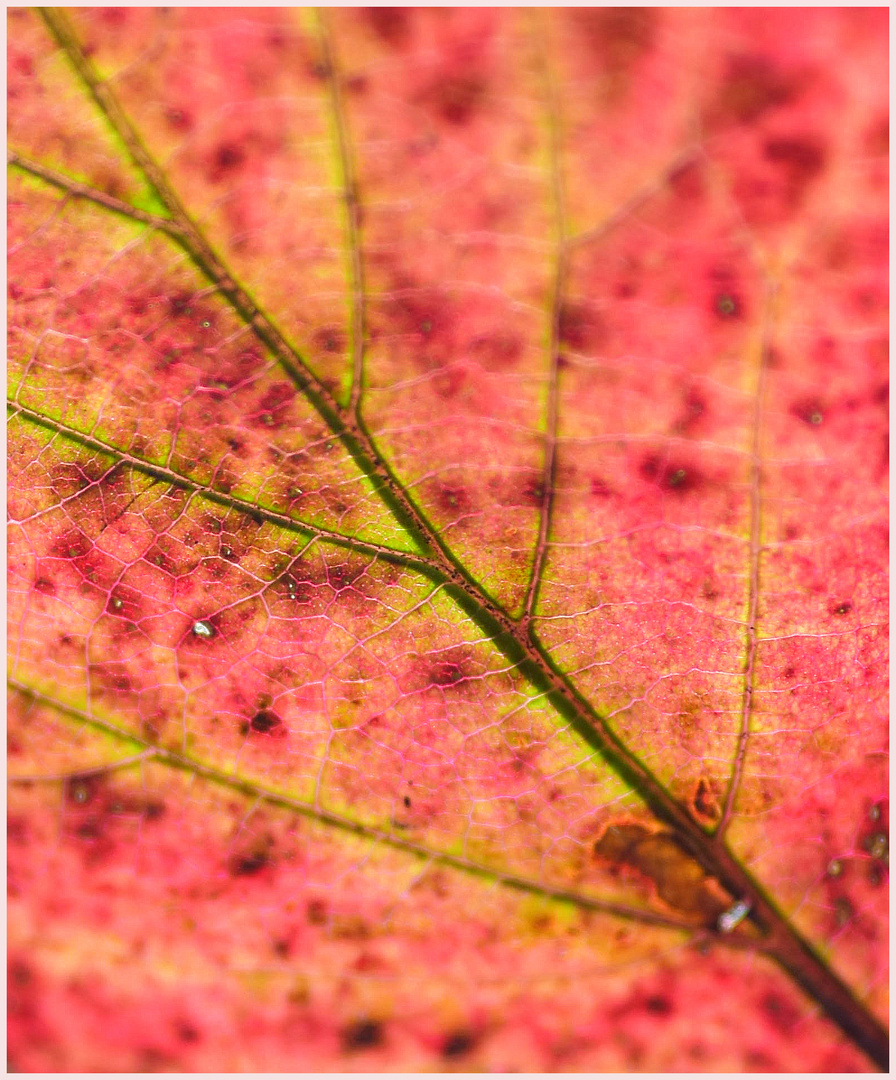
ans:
(448, 539)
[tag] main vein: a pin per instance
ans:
(513, 636)
(231, 502)
(146, 752)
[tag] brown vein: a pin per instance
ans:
(790, 949)
(231, 502)
(549, 470)
(750, 640)
(162, 755)
(353, 224)
(84, 191)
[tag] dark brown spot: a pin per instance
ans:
(876, 875)
(843, 608)
(248, 864)
(705, 802)
(45, 586)
(457, 1043)
(265, 721)
(658, 1005)
(362, 1035)
(678, 879)
(407, 800)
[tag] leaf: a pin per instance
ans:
(448, 540)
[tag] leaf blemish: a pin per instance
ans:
(672, 476)
(809, 410)
(226, 159)
(726, 305)
(752, 86)
(457, 1043)
(265, 721)
(362, 1035)
(81, 790)
(453, 499)
(247, 865)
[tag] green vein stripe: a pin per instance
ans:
(176, 479)
(788, 947)
(145, 752)
(91, 194)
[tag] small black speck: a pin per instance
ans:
(407, 800)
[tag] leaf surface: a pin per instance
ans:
(448, 540)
